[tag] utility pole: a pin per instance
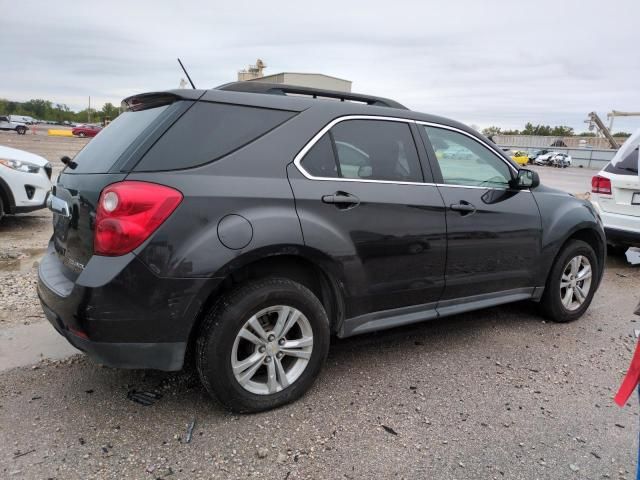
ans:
(89, 111)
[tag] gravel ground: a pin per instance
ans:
(24, 237)
(492, 394)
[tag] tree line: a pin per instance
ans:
(58, 112)
(545, 130)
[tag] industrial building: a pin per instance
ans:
(254, 73)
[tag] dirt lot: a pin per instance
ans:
(23, 238)
(492, 394)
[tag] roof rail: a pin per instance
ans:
(284, 89)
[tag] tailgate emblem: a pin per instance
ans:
(59, 206)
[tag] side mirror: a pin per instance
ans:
(525, 179)
(68, 162)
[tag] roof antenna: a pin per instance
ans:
(185, 72)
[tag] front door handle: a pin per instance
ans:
(465, 208)
(341, 200)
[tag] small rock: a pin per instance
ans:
(574, 468)
(262, 452)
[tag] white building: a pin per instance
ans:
(314, 80)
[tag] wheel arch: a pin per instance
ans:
(591, 236)
(305, 265)
(7, 197)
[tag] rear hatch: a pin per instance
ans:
(625, 182)
(106, 159)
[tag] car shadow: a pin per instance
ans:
(183, 391)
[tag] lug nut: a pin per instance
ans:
(267, 360)
(281, 341)
(262, 349)
(271, 338)
(279, 355)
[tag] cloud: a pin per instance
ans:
(490, 62)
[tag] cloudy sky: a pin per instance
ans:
(482, 62)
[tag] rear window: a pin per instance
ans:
(628, 166)
(208, 132)
(102, 152)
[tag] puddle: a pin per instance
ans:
(20, 261)
(25, 345)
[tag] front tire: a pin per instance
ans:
(21, 130)
(262, 345)
(571, 283)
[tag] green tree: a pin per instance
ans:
(489, 131)
(110, 111)
(621, 134)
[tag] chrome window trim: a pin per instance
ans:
(297, 161)
(298, 158)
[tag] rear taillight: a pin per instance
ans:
(601, 185)
(128, 213)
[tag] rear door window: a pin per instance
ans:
(366, 150)
(102, 152)
(209, 131)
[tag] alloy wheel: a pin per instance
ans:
(575, 282)
(272, 350)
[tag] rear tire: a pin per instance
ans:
(82, 135)
(1, 208)
(21, 130)
(244, 324)
(570, 286)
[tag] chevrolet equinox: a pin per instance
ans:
(244, 225)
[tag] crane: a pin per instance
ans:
(594, 120)
(616, 113)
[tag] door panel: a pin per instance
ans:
(493, 231)
(493, 248)
(391, 246)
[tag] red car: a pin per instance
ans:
(86, 131)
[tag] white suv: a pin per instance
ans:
(616, 195)
(25, 181)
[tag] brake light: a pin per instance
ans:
(128, 213)
(601, 185)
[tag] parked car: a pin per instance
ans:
(545, 158)
(86, 131)
(243, 226)
(616, 195)
(26, 119)
(536, 153)
(7, 124)
(520, 157)
(25, 181)
(561, 160)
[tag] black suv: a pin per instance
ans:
(242, 226)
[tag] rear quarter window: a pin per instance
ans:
(209, 131)
(102, 152)
(628, 165)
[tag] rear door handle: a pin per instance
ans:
(341, 200)
(465, 208)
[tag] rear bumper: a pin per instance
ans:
(120, 313)
(626, 237)
(619, 228)
(158, 356)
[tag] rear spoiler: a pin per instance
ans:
(145, 101)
